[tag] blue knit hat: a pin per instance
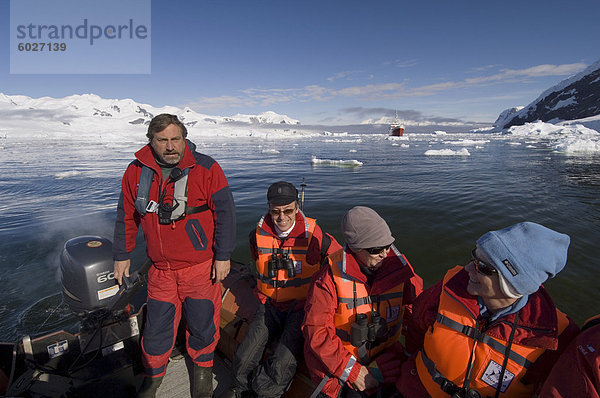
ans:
(526, 254)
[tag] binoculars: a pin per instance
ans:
(281, 261)
(362, 331)
(464, 393)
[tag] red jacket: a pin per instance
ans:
(577, 372)
(199, 237)
(313, 255)
(537, 326)
(324, 351)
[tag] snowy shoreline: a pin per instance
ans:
(89, 118)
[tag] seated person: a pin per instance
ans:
(490, 320)
(288, 249)
(355, 309)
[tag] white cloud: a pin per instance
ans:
(382, 91)
(371, 91)
(344, 75)
(483, 68)
(399, 63)
(549, 70)
(406, 64)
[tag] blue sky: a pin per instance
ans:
(344, 61)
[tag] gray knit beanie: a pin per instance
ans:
(363, 228)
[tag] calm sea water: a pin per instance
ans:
(437, 206)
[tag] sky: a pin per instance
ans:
(336, 62)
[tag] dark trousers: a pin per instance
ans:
(271, 377)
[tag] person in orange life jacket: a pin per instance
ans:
(491, 320)
(190, 252)
(288, 248)
(355, 310)
(577, 371)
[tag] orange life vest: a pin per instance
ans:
(353, 299)
(449, 344)
(282, 288)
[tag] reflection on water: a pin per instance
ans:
(46, 315)
(437, 206)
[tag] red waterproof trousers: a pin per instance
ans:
(169, 292)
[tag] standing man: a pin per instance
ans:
(288, 248)
(355, 310)
(182, 201)
(490, 329)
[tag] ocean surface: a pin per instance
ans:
(438, 192)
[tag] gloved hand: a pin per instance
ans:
(386, 367)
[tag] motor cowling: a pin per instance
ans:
(87, 277)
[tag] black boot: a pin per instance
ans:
(149, 387)
(203, 382)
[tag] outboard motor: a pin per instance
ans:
(87, 276)
(104, 357)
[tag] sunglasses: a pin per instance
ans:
(277, 212)
(377, 250)
(481, 266)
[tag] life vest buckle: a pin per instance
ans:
(450, 388)
(278, 283)
(152, 207)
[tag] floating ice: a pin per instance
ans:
(397, 138)
(270, 151)
(467, 142)
(329, 133)
(535, 129)
(568, 138)
(66, 174)
(338, 163)
(447, 152)
(341, 140)
(579, 145)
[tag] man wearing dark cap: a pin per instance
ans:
(288, 248)
(355, 310)
(490, 329)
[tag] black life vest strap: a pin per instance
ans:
(506, 354)
(143, 193)
(590, 323)
(446, 385)
(196, 209)
(325, 243)
(351, 302)
(296, 282)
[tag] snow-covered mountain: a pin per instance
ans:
(90, 110)
(577, 97)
